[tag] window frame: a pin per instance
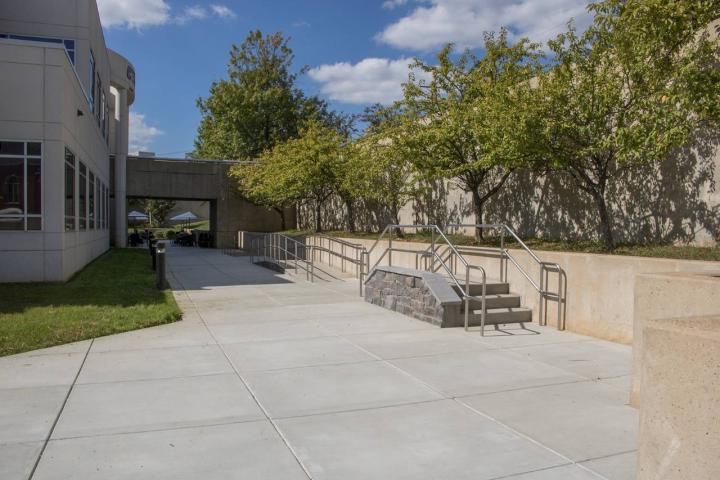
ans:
(75, 190)
(82, 202)
(25, 156)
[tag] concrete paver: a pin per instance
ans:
(581, 420)
(269, 376)
(123, 407)
(333, 388)
(275, 355)
(252, 451)
(422, 441)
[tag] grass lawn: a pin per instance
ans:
(115, 293)
(682, 252)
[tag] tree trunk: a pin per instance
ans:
(478, 204)
(281, 212)
(605, 227)
(318, 213)
(350, 215)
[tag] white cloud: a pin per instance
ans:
(222, 11)
(392, 4)
(141, 133)
(464, 21)
(191, 13)
(133, 13)
(146, 13)
(368, 81)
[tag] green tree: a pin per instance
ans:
(258, 105)
(474, 120)
(640, 82)
(157, 210)
(303, 169)
(381, 170)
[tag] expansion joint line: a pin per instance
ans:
(247, 385)
(62, 408)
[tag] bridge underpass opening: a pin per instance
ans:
(202, 181)
(166, 217)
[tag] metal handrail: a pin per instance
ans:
(432, 251)
(355, 259)
(545, 268)
(272, 247)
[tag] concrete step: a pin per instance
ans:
(497, 300)
(497, 316)
(492, 287)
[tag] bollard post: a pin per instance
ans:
(153, 252)
(160, 256)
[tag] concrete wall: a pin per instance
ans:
(202, 180)
(679, 436)
(41, 97)
(601, 288)
(45, 98)
(675, 201)
(670, 295)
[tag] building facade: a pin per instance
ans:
(63, 139)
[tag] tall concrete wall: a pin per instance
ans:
(601, 288)
(675, 201)
(204, 180)
(40, 100)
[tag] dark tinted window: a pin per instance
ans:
(12, 148)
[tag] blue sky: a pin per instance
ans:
(358, 50)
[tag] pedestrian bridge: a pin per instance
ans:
(202, 180)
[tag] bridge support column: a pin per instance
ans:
(121, 151)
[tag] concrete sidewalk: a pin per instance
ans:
(268, 378)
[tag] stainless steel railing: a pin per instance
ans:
(284, 251)
(437, 263)
(343, 251)
(545, 269)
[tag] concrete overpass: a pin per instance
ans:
(203, 180)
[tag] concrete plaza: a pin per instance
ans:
(267, 377)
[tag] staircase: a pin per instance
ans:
(479, 302)
(501, 305)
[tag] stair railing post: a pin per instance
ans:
(390, 247)
(560, 326)
(467, 297)
(296, 259)
(503, 272)
(432, 245)
(542, 289)
(483, 313)
(312, 268)
(342, 253)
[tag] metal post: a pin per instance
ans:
(296, 259)
(160, 254)
(432, 245)
(503, 272)
(542, 289)
(467, 297)
(312, 267)
(342, 258)
(390, 248)
(559, 302)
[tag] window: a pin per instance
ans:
(83, 196)
(68, 44)
(107, 207)
(20, 186)
(91, 82)
(70, 193)
(91, 200)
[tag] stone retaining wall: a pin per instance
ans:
(413, 293)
